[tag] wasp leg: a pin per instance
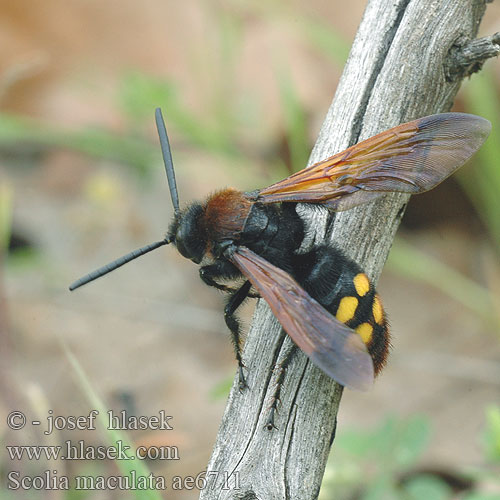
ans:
(235, 301)
(220, 269)
(275, 400)
(225, 270)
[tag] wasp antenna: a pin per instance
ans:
(167, 159)
(117, 263)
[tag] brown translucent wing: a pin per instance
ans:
(330, 344)
(410, 158)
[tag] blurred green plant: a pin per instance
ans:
(220, 127)
(311, 28)
(409, 261)
(222, 388)
(5, 216)
(491, 437)
(295, 120)
(17, 131)
(483, 184)
(126, 467)
(368, 463)
(140, 94)
(382, 464)
(326, 40)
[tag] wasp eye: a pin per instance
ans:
(184, 243)
(179, 243)
(189, 238)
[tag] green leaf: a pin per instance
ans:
(482, 496)
(492, 433)
(382, 488)
(413, 438)
(222, 388)
(427, 487)
(6, 196)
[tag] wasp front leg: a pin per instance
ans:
(235, 301)
(222, 269)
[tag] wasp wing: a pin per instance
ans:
(410, 158)
(330, 344)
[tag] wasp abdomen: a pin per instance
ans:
(342, 288)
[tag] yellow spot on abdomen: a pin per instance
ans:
(378, 312)
(347, 308)
(362, 284)
(365, 330)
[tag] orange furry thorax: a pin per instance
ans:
(225, 214)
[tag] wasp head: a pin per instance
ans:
(187, 233)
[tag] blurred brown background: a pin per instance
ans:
(244, 89)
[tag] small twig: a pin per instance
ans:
(468, 56)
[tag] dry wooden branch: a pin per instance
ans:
(398, 70)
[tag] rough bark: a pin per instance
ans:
(401, 67)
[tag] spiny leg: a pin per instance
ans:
(281, 368)
(235, 301)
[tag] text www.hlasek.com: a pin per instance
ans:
(81, 451)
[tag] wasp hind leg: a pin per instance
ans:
(275, 400)
(235, 300)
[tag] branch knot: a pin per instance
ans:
(466, 57)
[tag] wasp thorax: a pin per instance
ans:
(187, 233)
